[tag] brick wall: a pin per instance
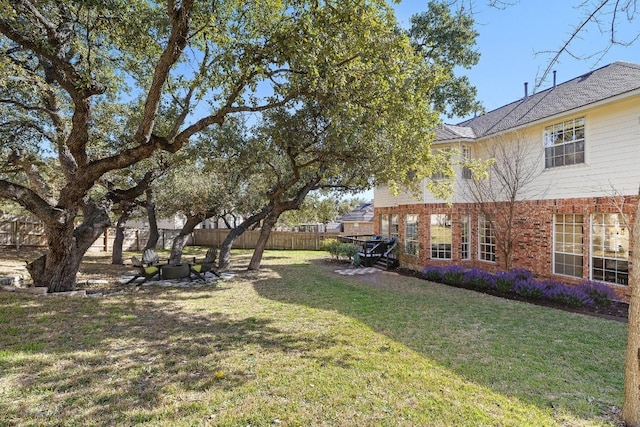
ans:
(533, 232)
(357, 228)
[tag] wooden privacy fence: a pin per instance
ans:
(24, 231)
(20, 231)
(277, 239)
(134, 240)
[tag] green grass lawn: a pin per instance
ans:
(297, 345)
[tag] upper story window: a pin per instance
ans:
(564, 143)
(466, 155)
(442, 159)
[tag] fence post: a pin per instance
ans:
(16, 233)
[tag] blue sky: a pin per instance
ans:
(512, 43)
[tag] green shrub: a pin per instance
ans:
(349, 250)
(333, 247)
(338, 249)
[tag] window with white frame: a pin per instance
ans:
(443, 164)
(384, 225)
(564, 143)
(486, 240)
(441, 236)
(411, 234)
(394, 228)
(610, 248)
(389, 225)
(568, 232)
(466, 155)
(465, 237)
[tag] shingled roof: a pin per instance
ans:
(595, 86)
(363, 213)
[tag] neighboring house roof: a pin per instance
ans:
(454, 132)
(333, 226)
(610, 81)
(363, 213)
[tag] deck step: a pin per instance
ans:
(384, 263)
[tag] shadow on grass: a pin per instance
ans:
(125, 355)
(558, 361)
(164, 353)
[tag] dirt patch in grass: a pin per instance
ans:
(96, 274)
(14, 261)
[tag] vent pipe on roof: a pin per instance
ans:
(554, 78)
(526, 90)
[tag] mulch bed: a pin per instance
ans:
(618, 310)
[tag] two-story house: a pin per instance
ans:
(577, 144)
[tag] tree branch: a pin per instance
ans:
(28, 199)
(566, 43)
(180, 19)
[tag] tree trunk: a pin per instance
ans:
(631, 402)
(154, 234)
(267, 225)
(276, 208)
(225, 250)
(57, 269)
(181, 239)
(118, 241)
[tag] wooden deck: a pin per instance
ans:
(375, 251)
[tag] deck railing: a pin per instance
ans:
(372, 247)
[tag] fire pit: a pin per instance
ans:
(174, 271)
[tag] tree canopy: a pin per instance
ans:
(90, 88)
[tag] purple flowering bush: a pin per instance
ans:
(601, 294)
(478, 279)
(529, 288)
(521, 274)
(453, 275)
(571, 296)
(522, 282)
(505, 281)
(432, 273)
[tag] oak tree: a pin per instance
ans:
(88, 88)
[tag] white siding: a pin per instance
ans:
(383, 197)
(612, 151)
(612, 164)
